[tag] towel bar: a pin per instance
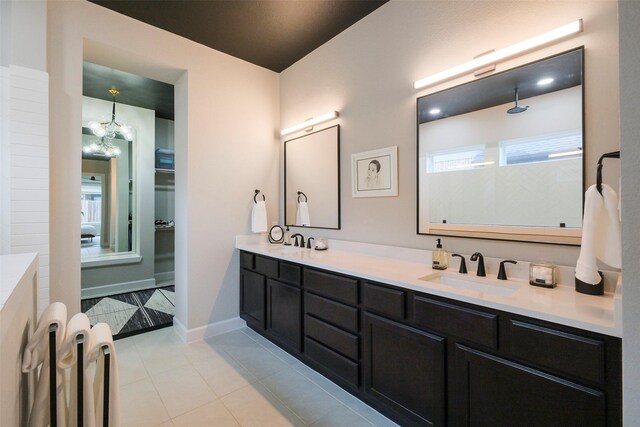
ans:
(256, 195)
(105, 397)
(53, 369)
(611, 155)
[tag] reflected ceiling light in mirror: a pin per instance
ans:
(565, 154)
(471, 165)
(112, 128)
(310, 123)
(501, 54)
(102, 148)
(545, 81)
(434, 111)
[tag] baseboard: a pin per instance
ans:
(207, 331)
(165, 276)
(117, 288)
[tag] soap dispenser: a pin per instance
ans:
(439, 257)
(287, 237)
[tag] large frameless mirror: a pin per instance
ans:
(312, 179)
(502, 157)
(107, 198)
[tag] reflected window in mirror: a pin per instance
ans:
(502, 157)
(107, 197)
(312, 179)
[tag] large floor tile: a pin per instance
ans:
(302, 396)
(259, 361)
(202, 350)
(341, 417)
(141, 406)
(231, 341)
(130, 366)
(255, 406)
(182, 390)
(209, 415)
(223, 374)
(166, 424)
(373, 416)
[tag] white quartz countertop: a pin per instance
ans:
(602, 314)
(12, 270)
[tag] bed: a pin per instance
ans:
(87, 232)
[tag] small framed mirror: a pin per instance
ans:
(502, 157)
(312, 180)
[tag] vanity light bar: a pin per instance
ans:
(498, 55)
(311, 122)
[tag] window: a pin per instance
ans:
(468, 157)
(541, 148)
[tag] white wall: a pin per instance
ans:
(630, 148)
(227, 116)
(367, 72)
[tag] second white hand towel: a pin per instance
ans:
(601, 238)
(259, 217)
(302, 216)
(78, 325)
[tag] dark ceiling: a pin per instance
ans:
(271, 33)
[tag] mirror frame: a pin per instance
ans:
(339, 179)
(549, 235)
(129, 257)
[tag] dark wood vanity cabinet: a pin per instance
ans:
(425, 360)
(405, 369)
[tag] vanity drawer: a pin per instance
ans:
(334, 312)
(334, 338)
(563, 352)
(385, 301)
(247, 260)
(470, 325)
(290, 273)
(333, 362)
(331, 285)
(266, 266)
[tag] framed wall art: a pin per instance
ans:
(375, 173)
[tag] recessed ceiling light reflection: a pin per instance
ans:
(434, 111)
(546, 81)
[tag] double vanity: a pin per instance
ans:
(437, 348)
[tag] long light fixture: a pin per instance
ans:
(310, 123)
(112, 128)
(498, 55)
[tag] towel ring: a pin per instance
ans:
(611, 155)
(300, 193)
(256, 195)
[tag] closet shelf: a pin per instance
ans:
(159, 170)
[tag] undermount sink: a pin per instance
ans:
(284, 250)
(473, 283)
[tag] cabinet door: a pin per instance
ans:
(252, 298)
(491, 391)
(404, 369)
(285, 313)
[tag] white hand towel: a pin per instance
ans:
(601, 238)
(37, 352)
(259, 217)
(302, 215)
(101, 337)
(78, 325)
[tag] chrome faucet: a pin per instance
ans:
(295, 240)
(478, 257)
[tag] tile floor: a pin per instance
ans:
(235, 379)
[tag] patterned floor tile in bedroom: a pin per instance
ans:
(133, 312)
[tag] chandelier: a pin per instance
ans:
(102, 147)
(111, 129)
